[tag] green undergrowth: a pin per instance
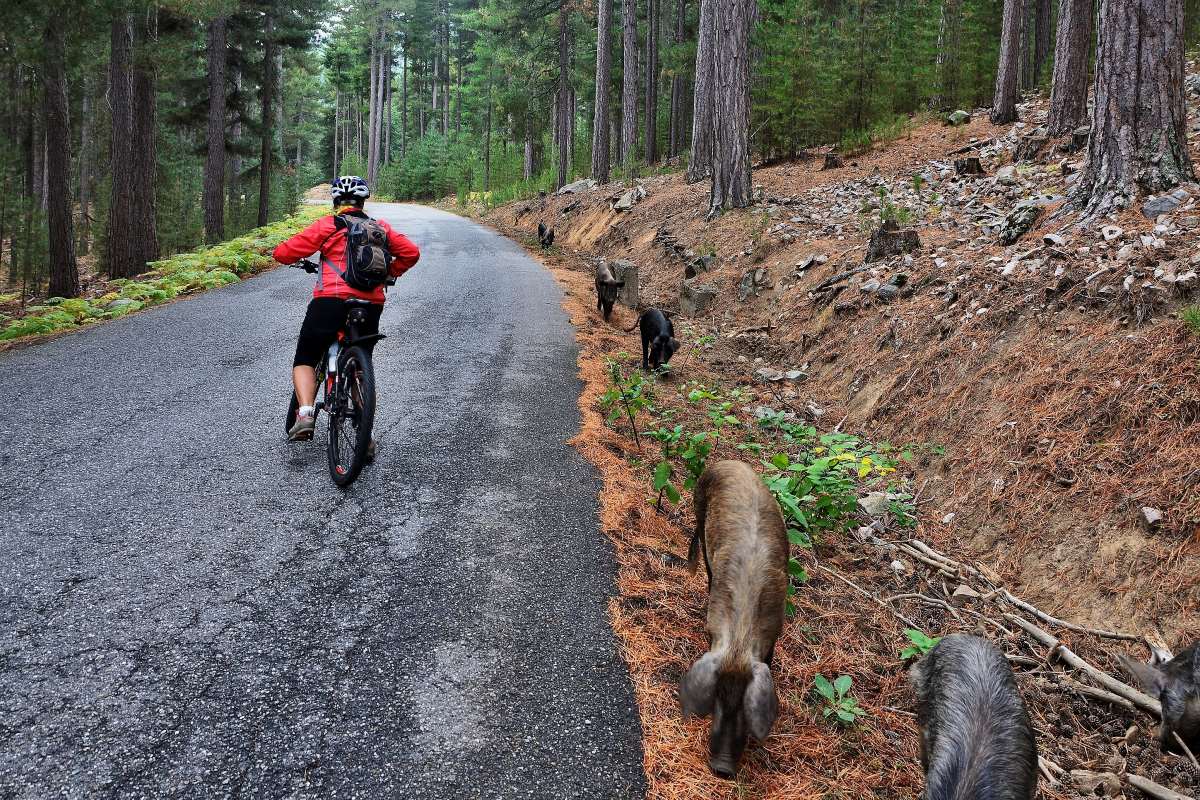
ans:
(816, 477)
(186, 273)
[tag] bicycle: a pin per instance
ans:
(346, 392)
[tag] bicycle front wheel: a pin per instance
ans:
(352, 417)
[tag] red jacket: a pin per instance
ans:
(321, 236)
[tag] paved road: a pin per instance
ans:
(188, 608)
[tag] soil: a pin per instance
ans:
(1046, 411)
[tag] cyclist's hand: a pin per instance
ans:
(307, 266)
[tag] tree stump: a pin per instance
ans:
(832, 161)
(968, 166)
(889, 240)
(1030, 148)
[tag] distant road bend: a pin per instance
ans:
(188, 607)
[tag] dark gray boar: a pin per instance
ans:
(741, 534)
(606, 288)
(658, 338)
(976, 739)
(1176, 684)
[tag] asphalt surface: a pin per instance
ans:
(189, 608)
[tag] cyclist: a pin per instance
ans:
(328, 308)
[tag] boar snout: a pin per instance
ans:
(1176, 685)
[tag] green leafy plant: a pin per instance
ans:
(1191, 318)
(837, 700)
(630, 394)
(921, 644)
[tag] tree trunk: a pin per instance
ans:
(675, 137)
(87, 111)
(487, 142)
(705, 89)
(64, 273)
(602, 105)
(1069, 87)
(387, 116)
(946, 67)
(1004, 106)
(651, 144)
(1026, 77)
(629, 87)
(118, 244)
(337, 124)
(145, 151)
(562, 126)
(1041, 41)
(404, 104)
(731, 181)
(234, 191)
(214, 164)
(1138, 138)
(267, 96)
(527, 163)
(373, 105)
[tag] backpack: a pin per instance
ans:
(368, 259)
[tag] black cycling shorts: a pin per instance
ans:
(322, 321)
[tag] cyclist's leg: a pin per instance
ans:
(322, 321)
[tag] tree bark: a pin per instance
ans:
(946, 66)
(145, 151)
(118, 244)
(1138, 138)
(700, 163)
(87, 112)
(629, 86)
(651, 107)
(267, 97)
(603, 101)
(64, 272)
(731, 182)
(675, 135)
(1004, 106)
(214, 163)
(562, 106)
(1069, 86)
(234, 192)
(1041, 38)
(404, 103)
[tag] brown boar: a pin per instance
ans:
(607, 287)
(741, 534)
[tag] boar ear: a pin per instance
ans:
(696, 688)
(675, 348)
(762, 707)
(1149, 677)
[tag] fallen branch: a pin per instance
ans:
(1098, 694)
(1140, 700)
(869, 596)
(1186, 750)
(841, 276)
(1152, 789)
(1062, 623)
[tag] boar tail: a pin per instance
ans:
(636, 322)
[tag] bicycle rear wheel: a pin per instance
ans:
(352, 417)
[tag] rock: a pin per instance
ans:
(1192, 84)
(1111, 233)
(795, 375)
(1031, 146)
(889, 240)
(1007, 175)
(887, 291)
(1096, 784)
(965, 593)
(1190, 222)
(869, 286)
(696, 298)
(629, 199)
(956, 118)
(1151, 518)
(1019, 220)
(698, 265)
(875, 503)
(832, 161)
(1127, 253)
(968, 166)
(578, 186)
(123, 302)
(768, 375)
(1164, 204)
(1053, 240)
(629, 294)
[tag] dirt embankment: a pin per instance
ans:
(1048, 388)
(1066, 402)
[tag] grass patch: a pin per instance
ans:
(1191, 318)
(186, 273)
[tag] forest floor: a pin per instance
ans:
(1048, 392)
